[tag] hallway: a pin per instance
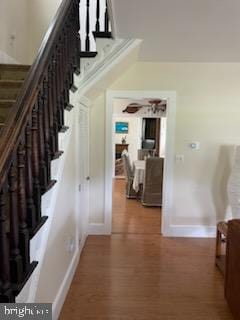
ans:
(136, 274)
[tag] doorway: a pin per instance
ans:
(170, 98)
(136, 137)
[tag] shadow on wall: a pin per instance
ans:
(220, 180)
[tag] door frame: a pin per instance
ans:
(167, 206)
(83, 218)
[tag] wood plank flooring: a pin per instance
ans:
(130, 216)
(135, 275)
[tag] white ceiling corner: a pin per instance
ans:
(181, 30)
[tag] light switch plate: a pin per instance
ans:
(179, 158)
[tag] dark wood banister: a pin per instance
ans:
(28, 143)
(18, 117)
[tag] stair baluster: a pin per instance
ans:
(46, 128)
(55, 102)
(97, 28)
(37, 165)
(60, 109)
(31, 211)
(22, 209)
(76, 29)
(62, 82)
(6, 294)
(16, 263)
(76, 41)
(30, 141)
(106, 20)
(51, 112)
(87, 40)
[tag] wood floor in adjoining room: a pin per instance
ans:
(139, 275)
(130, 216)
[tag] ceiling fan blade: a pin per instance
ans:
(155, 101)
(132, 109)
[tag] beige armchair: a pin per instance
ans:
(130, 193)
(142, 153)
(152, 186)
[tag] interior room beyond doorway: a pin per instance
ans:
(139, 136)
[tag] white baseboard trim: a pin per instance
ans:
(97, 229)
(66, 283)
(190, 231)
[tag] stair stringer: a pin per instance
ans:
(114, 57)
(39, 242)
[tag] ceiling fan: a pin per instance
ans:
(154, 106)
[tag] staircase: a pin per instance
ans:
(33, 101)
(11, 80)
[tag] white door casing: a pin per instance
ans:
(83, 166)
(170, 96)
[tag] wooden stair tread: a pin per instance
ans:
(6, 103)
(102, 34)
(88, 54)
(9, 89)
(19, 67)
(13, 71)
(4, 110)
(10, 83)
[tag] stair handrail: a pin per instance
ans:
(18, 116)
(29, 142)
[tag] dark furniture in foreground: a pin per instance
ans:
(232, 274)
(222, 230)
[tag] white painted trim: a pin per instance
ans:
(85, 102)
(103, 67)
(46, 229)
(170, 96)
(66, 283)
(111, 18)
(97, 229)
(192, 231)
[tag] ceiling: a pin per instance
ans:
(181, 30)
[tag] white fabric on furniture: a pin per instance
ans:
(139, 169)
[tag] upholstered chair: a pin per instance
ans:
(143, 153)
(130, 193)
(153, 180)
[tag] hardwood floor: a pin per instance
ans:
(139, 275)
(129, 216)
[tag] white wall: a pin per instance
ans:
(14, 41)
(208, 111)
(27, 21)
(41, 12)
(57, 257)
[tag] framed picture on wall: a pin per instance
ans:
(121, 127)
